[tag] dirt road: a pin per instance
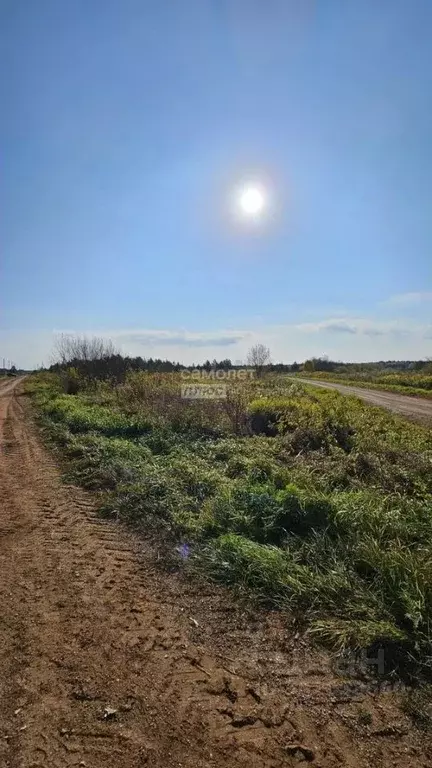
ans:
(414, 408)
(106, 661)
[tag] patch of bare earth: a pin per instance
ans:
(108, 662)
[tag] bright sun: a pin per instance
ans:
(252, 201)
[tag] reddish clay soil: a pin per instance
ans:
(413, 408)
(109, 661)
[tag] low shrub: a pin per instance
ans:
(277, 415)
(71, 381)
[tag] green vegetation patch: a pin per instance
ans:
(307, 500)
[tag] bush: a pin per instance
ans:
(273, 415)
(72, 382)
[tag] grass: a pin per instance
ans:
(306, 500)
(404, 383)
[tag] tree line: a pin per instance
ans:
(97, 358)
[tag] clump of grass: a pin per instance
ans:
(278, 577)
(103, 463)
(81, 417)
(356, 634)
(152, 501)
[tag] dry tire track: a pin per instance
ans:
(96, 673)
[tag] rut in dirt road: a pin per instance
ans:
(97, 665)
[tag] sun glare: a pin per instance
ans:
(252, 201)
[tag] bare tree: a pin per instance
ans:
(93, 358)
(69, 348)
(258, 357)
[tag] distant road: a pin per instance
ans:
(414, 408)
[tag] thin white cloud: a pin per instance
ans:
(410, 298)
(180, 338)
(358, 326)
(336, 326)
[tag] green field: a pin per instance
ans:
(306, 500)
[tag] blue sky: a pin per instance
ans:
(125, 127)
